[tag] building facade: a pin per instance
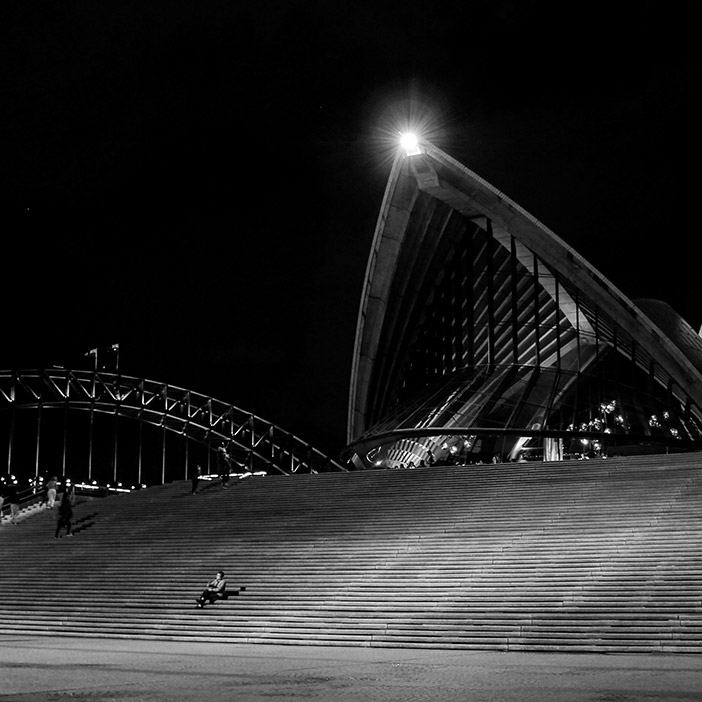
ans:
(483, 336)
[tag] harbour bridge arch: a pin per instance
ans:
(45, 414)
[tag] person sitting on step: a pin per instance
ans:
(216, 590)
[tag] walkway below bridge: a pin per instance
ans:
(42, 668)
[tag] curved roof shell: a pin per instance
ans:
(460, 277)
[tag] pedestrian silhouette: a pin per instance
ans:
(51, 486)
(195, 473)
(12, 497)
(224, 465)
(65, 514)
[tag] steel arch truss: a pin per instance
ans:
(192, 415)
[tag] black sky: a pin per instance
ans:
(199, 181)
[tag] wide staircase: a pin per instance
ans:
(601, 556)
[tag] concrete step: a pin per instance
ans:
(594, 556)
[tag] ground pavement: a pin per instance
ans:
(43, 668)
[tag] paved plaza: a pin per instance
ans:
(44, 668)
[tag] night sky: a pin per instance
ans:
(199, 181)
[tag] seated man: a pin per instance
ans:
(216, 590)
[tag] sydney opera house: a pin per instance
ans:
(482, 336)
(486, 348)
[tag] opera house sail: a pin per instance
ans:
(482, 336)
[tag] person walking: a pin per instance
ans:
(216, 590)
(224, 465)
(65, 515)
(42, 488)
(51, 486)
(12, 497)
(195, 473)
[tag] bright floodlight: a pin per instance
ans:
(410, 144)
